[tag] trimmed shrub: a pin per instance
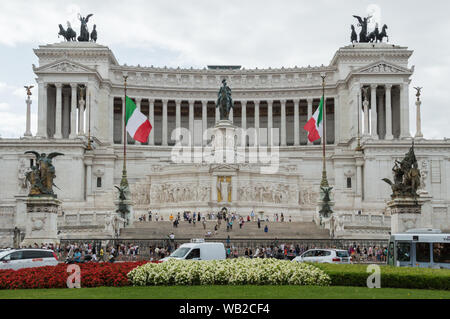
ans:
(391, 277)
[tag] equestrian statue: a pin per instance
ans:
(224, 101)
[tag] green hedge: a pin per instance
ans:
(391, 277)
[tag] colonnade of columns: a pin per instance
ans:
(163, 124)
(385, 111)
(57, 110)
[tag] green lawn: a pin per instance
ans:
(226, 292)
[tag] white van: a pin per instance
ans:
(199, 251)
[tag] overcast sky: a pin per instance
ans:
(251, 33)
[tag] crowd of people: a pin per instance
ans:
(230, 219)
(95, 252)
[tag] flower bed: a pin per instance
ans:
(240, 271)
(92, 275)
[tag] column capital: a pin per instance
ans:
(388, 86)
(151, 101)
(243, 102)
(269, 102)
(309, 100)
(296, 101)
(74, 85)
(58, 85)
(165, 101)
(283, 101)
(256, 102)
(204, 102)
(177, 102)
(373, 86)
(191, 102)
(138, 99)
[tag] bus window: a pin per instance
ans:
(423, 252)
(441, 252)
(403, 251)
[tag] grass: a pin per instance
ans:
(226, 292)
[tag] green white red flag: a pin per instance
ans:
(315, 124)
(137, 124)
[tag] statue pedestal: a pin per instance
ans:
(405, 213)
(41, 221)
(225, 142)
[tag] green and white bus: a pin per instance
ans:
(427, 248)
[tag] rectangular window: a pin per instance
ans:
(423, 252)
(99, 182)
(349, 182)
(403, 251)
(441, 252)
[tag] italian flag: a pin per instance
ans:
(137, 124)
(314, 125)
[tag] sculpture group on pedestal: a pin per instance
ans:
(364, 36)
(406, 176)
(42, 174)
(71, 35)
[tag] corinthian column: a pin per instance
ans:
(244, 114)
(164, 123)
(296, 123)
(73, 111)
(138, 106)
(309, 113)
(28, 128)
(177, 113)
(204, 119)
(373, 111)
(283, 122)
(81, 105)
(418, 116)
(269, 122)
(389, 135)
(191, 121)
(404, 110)
(58, 120)
(151, 103)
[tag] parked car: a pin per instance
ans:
(331, 256)
(199, 250)
(27, 258)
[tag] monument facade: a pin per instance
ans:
(80, 94)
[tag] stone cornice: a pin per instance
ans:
(363, 51)
(75, 49)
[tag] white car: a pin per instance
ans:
(331, 256)
(27, 258)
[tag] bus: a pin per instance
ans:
(426, 248)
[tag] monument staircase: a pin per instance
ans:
(250, 230)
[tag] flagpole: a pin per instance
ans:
(124, 181)
(324, 182)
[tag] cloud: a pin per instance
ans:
(4, 106)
